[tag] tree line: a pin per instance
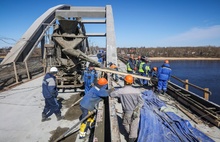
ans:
(206, 52)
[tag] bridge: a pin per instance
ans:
(22, 99)
(25, 69)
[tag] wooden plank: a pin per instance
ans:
(121, 73)
(190, 115)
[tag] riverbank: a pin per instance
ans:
(181, 58)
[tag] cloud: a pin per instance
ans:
(195, 35)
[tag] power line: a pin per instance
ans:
(6, 42)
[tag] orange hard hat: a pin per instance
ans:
(166, 61)
(102, 81)
(128, 79)
(155, 68)
(113, 66)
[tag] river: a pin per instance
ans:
(203, 73)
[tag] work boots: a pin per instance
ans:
(44, 118)
(59, 117)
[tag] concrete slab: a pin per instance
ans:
(21, 109)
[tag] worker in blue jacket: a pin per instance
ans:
(163, 75)
(90, 102)
(50, 92)
(101, 56)
(89, 77)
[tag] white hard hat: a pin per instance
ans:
(53, 69)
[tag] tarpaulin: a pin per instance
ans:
(157, 126)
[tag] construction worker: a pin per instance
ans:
(163, 75)
(50, 93)
(154, 72)
(89, 77)
(133, 59)
(138, 63)
(132, 102)
(99, 56)
(144, 69)
(90, 102)
(113, 66)
(130, 66)
(104, 56)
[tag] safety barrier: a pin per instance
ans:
(186, 85)
(16, 72)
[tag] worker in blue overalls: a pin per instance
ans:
(144, 69)
(89, 77)
(89, 103)
(50, 93)
(163, 75)
(101, 56)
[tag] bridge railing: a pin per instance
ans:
(186, 85)
(17, 72)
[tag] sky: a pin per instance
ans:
(137, 23)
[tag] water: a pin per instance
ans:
(205, 74)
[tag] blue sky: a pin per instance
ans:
(138, 23)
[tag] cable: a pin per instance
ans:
(7, 42)
(70, 130)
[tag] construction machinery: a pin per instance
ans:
(67, 52)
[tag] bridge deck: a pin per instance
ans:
(21, 109)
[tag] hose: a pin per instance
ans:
(69, 131)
